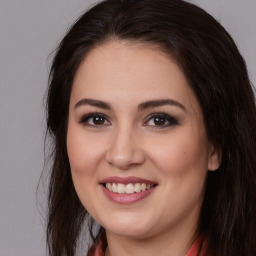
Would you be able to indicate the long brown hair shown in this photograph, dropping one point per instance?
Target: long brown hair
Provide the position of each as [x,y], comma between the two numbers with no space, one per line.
[218,76]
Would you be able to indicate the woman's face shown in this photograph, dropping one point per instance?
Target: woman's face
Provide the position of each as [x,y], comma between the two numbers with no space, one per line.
[136,142]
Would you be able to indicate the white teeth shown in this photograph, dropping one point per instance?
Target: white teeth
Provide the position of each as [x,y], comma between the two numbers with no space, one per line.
[129,188]
[114,189]
[120,188]
[108,186]
[137,187]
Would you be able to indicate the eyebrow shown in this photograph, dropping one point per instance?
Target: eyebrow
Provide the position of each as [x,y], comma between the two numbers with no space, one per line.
[142,106]
[91,102]
[159,103]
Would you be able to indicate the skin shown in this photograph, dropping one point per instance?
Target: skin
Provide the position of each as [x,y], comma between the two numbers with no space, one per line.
[129,142]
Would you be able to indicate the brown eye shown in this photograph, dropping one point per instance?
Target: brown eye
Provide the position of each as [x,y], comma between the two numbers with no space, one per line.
[95,119]
[98,120]
[161,120]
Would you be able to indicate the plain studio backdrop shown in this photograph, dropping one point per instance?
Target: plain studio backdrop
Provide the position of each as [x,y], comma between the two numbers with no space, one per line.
[29,32]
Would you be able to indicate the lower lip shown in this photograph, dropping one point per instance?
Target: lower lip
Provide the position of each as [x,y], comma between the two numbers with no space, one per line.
[126,198]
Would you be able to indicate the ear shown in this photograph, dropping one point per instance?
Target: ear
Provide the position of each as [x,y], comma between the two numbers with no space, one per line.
[214,158]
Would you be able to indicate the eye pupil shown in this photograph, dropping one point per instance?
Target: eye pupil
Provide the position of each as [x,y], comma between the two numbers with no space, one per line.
[159,120]
[98,120]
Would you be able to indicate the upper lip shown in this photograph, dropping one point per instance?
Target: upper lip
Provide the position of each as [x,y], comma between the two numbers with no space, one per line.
[126,180]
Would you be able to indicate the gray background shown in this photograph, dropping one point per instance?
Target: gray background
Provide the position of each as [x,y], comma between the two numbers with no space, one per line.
[29,32]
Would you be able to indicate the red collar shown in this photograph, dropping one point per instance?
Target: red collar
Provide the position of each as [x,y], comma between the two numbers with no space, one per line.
[193,251]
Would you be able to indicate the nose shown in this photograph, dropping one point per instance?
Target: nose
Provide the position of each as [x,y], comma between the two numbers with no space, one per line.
[125,149]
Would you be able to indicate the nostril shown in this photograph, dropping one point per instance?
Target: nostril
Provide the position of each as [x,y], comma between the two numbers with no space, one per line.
[125,159]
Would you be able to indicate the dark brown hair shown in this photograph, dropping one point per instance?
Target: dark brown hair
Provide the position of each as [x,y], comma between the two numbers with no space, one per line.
[217,74]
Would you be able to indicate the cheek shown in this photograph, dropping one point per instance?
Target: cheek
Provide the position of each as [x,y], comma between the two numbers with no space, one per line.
[181,154]
[84,157]
[84,152]
[182,165]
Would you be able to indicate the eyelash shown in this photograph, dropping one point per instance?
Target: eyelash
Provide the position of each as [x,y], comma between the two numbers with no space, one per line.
[167,119]
[85,119]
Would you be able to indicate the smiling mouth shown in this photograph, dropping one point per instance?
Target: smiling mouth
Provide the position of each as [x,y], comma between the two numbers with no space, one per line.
[130,188]
[127,190]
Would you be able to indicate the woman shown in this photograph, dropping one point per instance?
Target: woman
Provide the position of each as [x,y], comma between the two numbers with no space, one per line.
[153,120]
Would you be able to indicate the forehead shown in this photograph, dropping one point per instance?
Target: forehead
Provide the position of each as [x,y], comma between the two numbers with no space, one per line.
[128,70]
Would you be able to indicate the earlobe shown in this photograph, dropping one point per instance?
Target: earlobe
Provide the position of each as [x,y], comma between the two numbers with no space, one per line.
[214,158]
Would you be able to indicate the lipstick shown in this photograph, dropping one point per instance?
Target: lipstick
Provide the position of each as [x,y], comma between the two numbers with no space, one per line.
[126,190]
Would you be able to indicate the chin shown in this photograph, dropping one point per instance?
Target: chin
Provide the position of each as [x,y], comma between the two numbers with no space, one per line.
[131,232]
[128,227]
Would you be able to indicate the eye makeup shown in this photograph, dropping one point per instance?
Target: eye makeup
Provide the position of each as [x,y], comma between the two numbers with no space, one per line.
[160,120]
[95,119]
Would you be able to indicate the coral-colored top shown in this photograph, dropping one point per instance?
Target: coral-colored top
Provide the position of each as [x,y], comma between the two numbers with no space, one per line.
[193,251]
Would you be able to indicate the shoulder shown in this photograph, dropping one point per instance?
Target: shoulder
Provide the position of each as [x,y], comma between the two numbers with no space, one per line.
[198,248]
